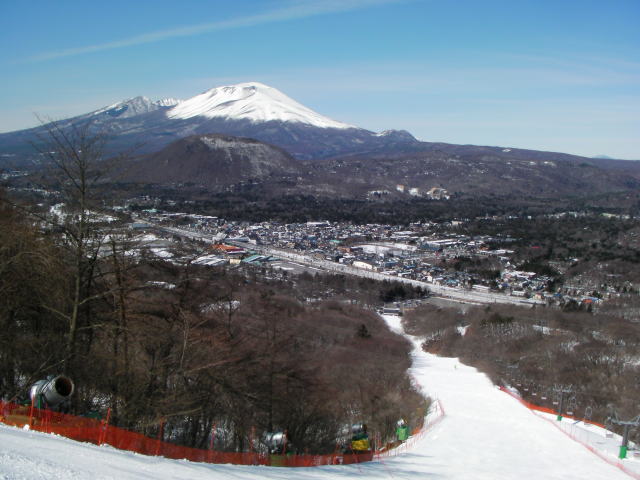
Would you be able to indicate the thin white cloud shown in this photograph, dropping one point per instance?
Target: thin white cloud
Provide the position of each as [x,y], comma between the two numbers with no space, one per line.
[297,9]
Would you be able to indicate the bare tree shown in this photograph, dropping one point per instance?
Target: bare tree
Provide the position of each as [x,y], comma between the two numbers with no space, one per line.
[75,155]
[30,271]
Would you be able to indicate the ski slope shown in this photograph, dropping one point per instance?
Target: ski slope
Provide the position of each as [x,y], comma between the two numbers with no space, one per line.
[485,434]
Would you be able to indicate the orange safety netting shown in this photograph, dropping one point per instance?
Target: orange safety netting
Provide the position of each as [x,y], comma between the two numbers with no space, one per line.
[100,432]
[593,449]
[538,408]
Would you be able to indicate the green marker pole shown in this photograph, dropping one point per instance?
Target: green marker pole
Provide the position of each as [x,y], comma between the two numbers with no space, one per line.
[623,452]
[625,442]
[560,407]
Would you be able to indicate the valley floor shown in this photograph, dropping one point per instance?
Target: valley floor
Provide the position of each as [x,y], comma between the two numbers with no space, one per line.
[485,434]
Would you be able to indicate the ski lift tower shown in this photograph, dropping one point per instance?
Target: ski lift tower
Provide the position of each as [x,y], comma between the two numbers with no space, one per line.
[625,435]
[562,392]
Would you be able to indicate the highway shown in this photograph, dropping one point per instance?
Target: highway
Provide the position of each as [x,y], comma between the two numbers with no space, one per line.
[452,293]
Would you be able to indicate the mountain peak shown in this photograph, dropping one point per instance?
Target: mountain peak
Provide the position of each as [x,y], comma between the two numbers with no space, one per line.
[167,102]
[253,101]
[401,135]
[135,106]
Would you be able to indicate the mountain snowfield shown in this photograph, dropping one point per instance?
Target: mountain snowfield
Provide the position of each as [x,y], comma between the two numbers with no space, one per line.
[134,107]
[252,101]
[485,435]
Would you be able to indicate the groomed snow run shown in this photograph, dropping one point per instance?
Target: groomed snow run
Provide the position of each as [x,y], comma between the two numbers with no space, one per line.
[485,435]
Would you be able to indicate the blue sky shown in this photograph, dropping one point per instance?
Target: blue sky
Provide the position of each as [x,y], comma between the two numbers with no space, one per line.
[559,75]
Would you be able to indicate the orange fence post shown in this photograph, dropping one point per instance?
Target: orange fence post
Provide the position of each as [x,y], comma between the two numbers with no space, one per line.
[31,412]
[160,435]
[104,426]
[46,421]
[212,442]
[284,444]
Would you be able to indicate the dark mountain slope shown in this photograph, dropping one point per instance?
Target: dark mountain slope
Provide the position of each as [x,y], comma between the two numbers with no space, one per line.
[213,161]
[475,171]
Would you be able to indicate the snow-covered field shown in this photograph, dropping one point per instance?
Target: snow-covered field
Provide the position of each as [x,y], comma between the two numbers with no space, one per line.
[485,434]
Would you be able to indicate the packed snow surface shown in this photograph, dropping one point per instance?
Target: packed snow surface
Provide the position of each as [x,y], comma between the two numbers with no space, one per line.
[485,435]
[250,101]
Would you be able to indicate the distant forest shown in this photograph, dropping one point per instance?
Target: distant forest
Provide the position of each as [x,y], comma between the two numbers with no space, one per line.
[254,204]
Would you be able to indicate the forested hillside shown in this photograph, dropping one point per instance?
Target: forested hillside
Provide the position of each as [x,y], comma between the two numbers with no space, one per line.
[189,345]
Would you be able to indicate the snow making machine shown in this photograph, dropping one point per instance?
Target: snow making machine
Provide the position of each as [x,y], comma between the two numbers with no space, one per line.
[360,439]
[279,448]
[277,442]
[53,393]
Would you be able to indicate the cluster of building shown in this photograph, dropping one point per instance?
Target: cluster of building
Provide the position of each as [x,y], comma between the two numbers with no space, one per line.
[435,193]
[427,252]
[422,252]
[416,252]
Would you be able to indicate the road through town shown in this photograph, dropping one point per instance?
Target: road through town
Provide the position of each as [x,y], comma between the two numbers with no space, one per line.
[457,294]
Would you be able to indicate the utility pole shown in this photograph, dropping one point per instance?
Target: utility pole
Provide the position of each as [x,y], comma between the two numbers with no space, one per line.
[625,435]
[562,391]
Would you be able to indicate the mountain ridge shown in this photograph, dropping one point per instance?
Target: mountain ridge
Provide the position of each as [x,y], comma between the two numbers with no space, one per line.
[218,163]
[247,109]
[341,159]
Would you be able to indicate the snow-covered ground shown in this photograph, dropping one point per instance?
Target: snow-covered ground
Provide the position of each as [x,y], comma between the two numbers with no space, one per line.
[485,434]
[604,443]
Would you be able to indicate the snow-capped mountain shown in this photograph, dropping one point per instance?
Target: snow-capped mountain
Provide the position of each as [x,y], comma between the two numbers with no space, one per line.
[251,101]
[340,159]
[252,110]
[133,107]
